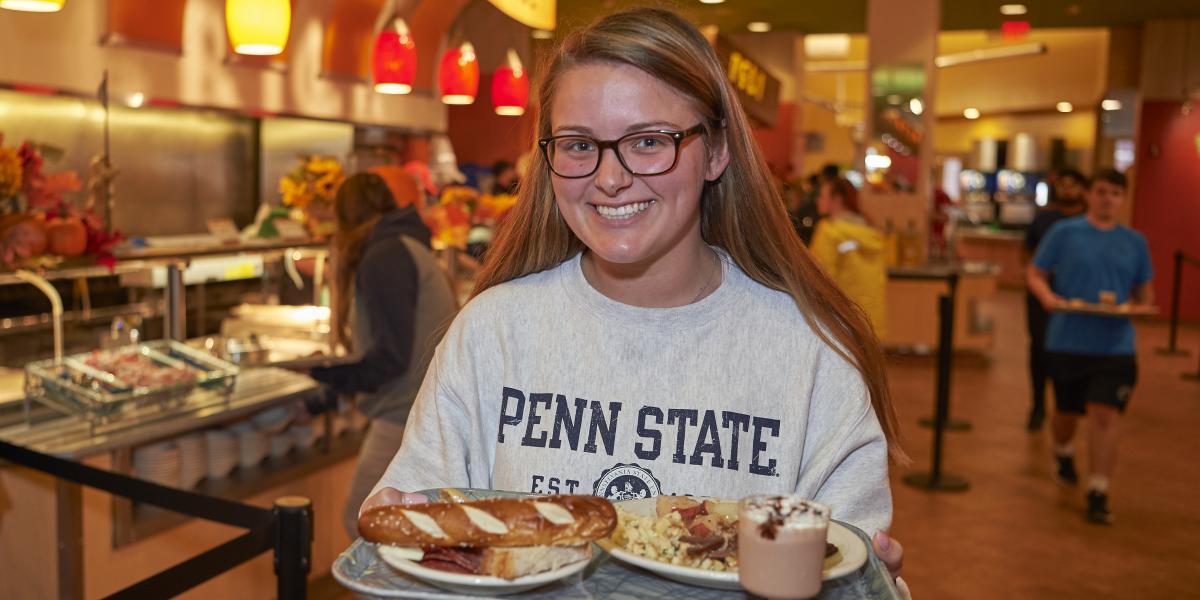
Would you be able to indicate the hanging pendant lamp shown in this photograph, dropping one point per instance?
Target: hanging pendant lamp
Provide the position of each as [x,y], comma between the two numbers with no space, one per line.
[459,75]
[46,6]
[258,27]
[394,59]
[510,87]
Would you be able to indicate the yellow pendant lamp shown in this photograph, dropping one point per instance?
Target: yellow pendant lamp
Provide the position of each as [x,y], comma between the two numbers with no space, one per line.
[258,27]
[33,5]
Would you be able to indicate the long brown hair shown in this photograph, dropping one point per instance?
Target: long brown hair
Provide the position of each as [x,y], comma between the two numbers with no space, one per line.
[360,202]
[742,212]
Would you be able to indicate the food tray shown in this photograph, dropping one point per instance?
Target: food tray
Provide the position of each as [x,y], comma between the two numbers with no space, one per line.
[1122,311]
[360,569]
[87,385]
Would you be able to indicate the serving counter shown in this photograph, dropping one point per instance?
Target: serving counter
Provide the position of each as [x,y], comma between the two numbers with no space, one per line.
[912,305]
[1004,248]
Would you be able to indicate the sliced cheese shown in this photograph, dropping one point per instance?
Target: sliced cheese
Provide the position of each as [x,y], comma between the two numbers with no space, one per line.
[424,522]
[554,513]
[484,520]
[403,553]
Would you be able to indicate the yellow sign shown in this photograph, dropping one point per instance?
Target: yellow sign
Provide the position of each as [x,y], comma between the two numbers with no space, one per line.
[538,14]
[746,76]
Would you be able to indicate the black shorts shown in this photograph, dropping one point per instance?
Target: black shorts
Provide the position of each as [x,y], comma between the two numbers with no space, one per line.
[1082,379]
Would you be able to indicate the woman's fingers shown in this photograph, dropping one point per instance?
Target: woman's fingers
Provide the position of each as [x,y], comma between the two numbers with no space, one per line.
[889,551]
[391,496]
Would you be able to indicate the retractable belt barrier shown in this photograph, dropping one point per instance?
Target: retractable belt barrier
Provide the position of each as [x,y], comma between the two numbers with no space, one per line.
[286,529]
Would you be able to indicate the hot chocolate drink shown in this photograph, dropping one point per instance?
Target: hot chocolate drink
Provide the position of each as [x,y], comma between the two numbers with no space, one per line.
[781,546]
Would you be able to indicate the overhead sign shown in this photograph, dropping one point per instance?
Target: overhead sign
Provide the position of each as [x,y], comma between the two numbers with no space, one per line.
[757,89]
[538,14]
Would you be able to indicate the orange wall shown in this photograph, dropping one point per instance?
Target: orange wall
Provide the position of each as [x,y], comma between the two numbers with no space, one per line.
[481,136]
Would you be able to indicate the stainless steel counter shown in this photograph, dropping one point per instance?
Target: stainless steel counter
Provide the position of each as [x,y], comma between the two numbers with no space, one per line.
[73,437]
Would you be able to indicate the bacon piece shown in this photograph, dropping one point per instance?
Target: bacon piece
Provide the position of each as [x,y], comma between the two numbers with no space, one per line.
[702,545]
[691,512]
[454,560]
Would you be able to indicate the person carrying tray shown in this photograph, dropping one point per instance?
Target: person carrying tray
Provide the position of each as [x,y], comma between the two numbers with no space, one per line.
[648,321]
[1094,367]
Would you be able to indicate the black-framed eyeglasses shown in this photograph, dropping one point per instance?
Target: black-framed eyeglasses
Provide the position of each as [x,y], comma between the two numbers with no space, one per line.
[641,153]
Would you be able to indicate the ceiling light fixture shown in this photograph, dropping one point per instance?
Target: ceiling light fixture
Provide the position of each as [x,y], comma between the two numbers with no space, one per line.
[1110,104]
[394,59]
[33,5]
[1012,10]
[711,1]
[916,106]
[971,113]
[758,26]
[1064,107]
[258,27]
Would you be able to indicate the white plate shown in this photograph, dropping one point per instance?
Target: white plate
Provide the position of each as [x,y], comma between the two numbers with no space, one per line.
[474,584]
[852,554]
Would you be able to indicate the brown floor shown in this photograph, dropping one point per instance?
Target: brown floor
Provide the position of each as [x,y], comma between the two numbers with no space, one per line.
[1015,533]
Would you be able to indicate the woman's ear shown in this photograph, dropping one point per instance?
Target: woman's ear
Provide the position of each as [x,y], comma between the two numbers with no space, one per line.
[718,156]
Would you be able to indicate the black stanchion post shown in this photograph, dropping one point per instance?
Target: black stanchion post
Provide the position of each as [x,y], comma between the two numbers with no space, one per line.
[1193,376]
[948,423]
[293,546]
[1176,286]
[935,480]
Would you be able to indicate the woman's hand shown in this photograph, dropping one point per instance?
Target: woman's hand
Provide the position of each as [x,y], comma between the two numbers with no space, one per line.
[389,496]
[889,551]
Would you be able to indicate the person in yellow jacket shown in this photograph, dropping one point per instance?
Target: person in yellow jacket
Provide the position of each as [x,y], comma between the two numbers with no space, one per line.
[851,251]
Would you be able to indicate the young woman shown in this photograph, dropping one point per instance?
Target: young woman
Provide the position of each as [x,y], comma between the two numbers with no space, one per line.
[851,251]
[648,322]
[391,300]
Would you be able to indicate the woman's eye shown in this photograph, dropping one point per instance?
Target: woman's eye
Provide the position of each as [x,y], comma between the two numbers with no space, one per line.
[579,146]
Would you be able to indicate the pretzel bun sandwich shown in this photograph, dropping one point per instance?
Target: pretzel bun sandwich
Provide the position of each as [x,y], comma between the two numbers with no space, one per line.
[501,537]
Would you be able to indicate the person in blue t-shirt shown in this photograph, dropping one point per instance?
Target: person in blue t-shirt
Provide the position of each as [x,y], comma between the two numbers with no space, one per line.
[1095,259]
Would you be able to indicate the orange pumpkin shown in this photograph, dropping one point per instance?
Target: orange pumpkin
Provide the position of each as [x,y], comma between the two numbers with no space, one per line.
[66,236]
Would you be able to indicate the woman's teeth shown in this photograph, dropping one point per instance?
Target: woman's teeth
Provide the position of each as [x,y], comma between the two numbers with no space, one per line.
[622,212]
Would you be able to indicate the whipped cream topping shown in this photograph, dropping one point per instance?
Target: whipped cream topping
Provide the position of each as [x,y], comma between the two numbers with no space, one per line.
[789,512]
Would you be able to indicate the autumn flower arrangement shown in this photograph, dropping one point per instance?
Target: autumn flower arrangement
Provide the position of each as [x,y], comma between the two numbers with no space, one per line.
[39,224]
[309,190]
[462,208]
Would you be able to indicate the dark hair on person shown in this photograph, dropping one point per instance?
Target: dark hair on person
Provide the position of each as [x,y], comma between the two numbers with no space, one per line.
[501,166]
[830,171]
[1070,173]
[361,200]
[842,188]
[1112,176]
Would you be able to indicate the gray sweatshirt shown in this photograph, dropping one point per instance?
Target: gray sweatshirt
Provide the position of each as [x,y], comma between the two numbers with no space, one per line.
[545,385]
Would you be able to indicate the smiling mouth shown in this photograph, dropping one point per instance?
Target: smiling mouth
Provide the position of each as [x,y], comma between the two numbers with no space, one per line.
[624,211]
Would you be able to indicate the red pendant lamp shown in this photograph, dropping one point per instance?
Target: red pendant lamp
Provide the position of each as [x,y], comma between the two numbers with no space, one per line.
[459,75]
[394,59]
[510,87]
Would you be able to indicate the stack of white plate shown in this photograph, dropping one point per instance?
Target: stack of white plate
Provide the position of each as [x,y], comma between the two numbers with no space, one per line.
[281,444]
[253,445]
[222,452]
[304,436]
[193,460]
[158,463]
[273,420]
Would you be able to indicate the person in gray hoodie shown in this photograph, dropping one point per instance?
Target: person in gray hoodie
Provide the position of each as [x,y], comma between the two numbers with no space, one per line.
[391,302]
[648,322]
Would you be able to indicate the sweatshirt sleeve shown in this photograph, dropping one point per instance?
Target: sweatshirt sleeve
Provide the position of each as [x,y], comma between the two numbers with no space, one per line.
[386,281]
[845,463]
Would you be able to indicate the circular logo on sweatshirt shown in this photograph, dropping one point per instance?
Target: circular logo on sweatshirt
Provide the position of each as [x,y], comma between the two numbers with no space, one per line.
[626,482]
